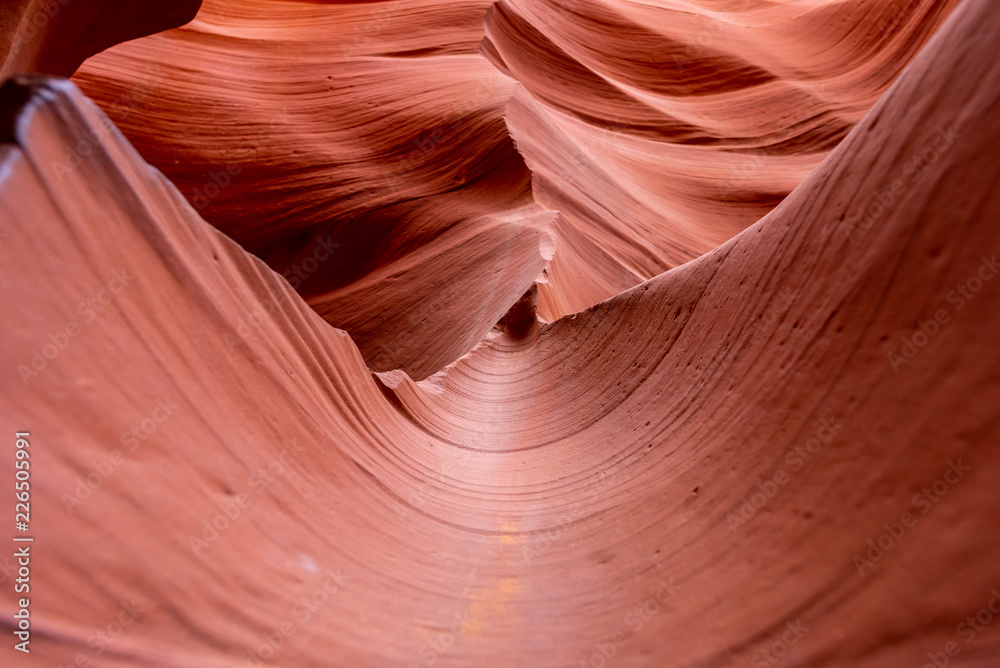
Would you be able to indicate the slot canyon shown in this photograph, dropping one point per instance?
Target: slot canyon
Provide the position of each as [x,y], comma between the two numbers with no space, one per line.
[477,333]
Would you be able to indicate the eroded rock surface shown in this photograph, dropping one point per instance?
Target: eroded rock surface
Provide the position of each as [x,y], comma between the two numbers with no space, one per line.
[698,471]
[659,130]
[358,148]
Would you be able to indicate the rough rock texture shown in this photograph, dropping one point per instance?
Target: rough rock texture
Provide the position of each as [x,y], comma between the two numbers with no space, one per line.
[591,485]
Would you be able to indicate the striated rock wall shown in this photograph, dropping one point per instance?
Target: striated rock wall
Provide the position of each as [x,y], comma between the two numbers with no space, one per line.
[778,453]
[659,130]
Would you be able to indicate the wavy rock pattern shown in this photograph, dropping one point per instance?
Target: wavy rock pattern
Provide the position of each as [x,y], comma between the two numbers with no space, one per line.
[659,130]
[568,491]
[359,149]
[656,146]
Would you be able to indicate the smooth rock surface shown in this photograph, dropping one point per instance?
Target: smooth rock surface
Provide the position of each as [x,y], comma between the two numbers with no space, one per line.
[358,148]
[659,130]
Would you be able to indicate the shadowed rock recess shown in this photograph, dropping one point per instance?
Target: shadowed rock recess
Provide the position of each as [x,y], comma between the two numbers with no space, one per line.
[538,333]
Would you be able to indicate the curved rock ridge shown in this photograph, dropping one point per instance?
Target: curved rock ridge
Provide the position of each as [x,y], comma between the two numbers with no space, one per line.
[651,160]
[660,129]
[360,149]
[56,36]
[583,492]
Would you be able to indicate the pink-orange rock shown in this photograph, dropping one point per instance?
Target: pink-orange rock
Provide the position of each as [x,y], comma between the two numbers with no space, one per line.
[659,130]
[566,492]
[360,149]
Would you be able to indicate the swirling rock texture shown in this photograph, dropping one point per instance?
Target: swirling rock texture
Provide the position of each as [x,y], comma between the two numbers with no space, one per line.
[657,132]
[776,453]
[360,149]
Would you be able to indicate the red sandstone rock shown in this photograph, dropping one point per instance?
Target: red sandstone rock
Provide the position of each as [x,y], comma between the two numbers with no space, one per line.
[569,490]
[657,133]
[375,127]
[659,130]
